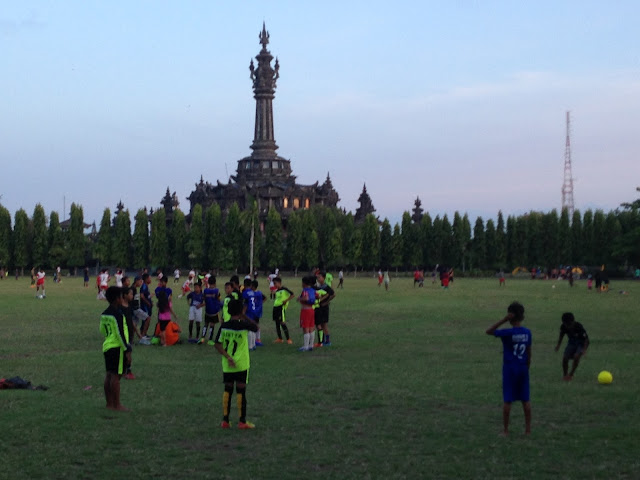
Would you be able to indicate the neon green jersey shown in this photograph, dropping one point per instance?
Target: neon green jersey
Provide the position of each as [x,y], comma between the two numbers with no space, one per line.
[225,305]
[319,294]
[282,294]
[328,278]
[233,335]
[113,328]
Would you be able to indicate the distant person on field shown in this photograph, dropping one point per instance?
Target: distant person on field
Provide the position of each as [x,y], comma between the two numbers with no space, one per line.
[501,276]
[86,277]
[253,308]
[232,343]
[40,282]
[126,308]
[196,304]
[340,279]
[282,297]
[307,317]
[322,308]
[165,313]
[380,277]
[386,279]
[576,347]
[116,347]
[146,305]
[212,310]
[516,342]
[176,276]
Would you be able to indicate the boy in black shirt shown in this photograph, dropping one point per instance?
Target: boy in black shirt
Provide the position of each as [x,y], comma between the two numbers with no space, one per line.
[577,345]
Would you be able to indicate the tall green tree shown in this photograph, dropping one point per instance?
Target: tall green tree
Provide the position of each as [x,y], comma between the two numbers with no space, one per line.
[5,237]
[195,249]
[76,241]
[478,245]
[613,233]
[436,255]
[600,237]
[447,240]
[40,249]
[273,239]
[141,239]
[158,239]
[21,239]
[491,245]
[577,247]
[311,242]
[295,241]
[426,239]
[535,256]
[233,238]
[213,244]
[587,239]
[411,250]
[371,242]
[565,239]
[510,243]
[521,253]
[57,253]
[335,245]
[550,238]
[386,245]
[180,239]
[501,242]
[459,241]
[347,225]
[121,253]
[104,244]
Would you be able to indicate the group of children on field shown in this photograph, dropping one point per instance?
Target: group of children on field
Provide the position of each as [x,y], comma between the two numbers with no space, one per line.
[239,333]
[516,343]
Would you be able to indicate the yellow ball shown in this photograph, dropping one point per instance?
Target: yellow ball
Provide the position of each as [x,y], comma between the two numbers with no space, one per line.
[605,378]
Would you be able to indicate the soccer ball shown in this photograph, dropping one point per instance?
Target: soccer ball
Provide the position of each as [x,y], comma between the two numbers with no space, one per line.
[40,296]
[553,286]
[605,378]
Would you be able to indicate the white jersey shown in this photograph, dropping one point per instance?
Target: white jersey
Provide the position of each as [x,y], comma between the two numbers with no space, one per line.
[340,275]
[271,277]
[176,273]
[104,279]
[41,275]
[119,279]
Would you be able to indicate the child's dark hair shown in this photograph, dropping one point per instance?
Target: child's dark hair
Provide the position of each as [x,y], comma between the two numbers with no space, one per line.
[113,293]
[321,273]
[228,284]
[234,280]
[517,310]
[212,280]
[247,282]
[163,302]
[125,291]
[308,280]
[568,317]
[234,307]
[198,284]
[277,280]
[145,276]
[254,284]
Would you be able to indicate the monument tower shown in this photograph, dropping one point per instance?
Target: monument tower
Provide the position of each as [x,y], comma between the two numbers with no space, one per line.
[264,176]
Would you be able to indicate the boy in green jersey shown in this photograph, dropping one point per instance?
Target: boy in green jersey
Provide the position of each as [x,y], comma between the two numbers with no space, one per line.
[282,297]
[231,294]
[232,343]
[116,347]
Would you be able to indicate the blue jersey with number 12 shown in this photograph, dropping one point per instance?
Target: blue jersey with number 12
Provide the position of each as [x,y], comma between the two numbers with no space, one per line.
[515,342]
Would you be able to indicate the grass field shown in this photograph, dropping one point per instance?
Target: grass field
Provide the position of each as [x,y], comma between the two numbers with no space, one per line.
[411,388]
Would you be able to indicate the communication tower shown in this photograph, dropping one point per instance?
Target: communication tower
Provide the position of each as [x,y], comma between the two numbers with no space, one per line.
[567,186]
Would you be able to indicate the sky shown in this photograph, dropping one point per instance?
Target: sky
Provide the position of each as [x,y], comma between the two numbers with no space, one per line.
[462,103]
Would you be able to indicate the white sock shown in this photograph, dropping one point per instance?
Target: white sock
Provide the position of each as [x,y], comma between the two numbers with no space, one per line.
[307,341]
[252,339]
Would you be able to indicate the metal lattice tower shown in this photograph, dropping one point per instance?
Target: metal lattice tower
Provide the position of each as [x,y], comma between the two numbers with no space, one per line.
[567,186]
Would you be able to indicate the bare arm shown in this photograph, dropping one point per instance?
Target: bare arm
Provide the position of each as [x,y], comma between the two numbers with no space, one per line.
[492,329]
[559,340]
[224,353]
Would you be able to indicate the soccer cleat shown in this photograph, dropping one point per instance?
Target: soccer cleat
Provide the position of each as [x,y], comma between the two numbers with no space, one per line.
[278,340]
[193,340]
[225,424]
[302,349]
[317,345]
[289,341]
[201,341]
[211,343]
[245,425]
[259,343]
[130,376]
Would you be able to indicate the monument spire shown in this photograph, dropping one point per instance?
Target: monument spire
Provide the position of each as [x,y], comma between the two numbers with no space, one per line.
[264,88]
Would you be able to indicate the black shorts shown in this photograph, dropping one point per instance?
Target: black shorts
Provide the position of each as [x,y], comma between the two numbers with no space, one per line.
[238,377]
[212,317]
[114,361]
[573,349]
[163,324]
[278,314]
[321,316]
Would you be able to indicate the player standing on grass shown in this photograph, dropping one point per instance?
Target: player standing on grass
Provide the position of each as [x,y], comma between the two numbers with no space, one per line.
[307,317]
[196,302]
[116,347]
[212,310]
[282,297]
[232,344]
[322,310]
[576,347]
[146,305]
[516,342]
[40,283]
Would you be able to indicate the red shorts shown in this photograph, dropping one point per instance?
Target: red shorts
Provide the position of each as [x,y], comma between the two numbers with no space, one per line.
[40,281]
[307,318]
[272,289]
[185,290]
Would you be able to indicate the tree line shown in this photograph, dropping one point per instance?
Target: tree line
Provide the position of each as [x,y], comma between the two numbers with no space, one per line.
[323,236]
